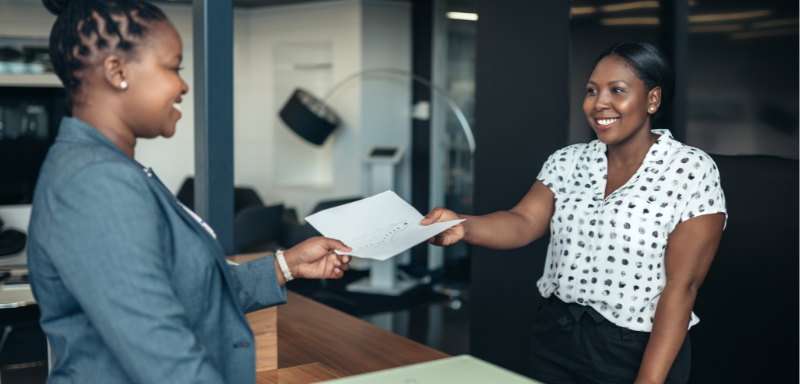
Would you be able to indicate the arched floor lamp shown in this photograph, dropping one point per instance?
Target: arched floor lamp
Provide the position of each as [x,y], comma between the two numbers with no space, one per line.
[314,120]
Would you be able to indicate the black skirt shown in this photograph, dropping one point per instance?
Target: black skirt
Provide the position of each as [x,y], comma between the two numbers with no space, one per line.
[572,343]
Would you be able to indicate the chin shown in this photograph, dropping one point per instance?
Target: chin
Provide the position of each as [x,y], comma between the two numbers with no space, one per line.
[169,132]
[605,137]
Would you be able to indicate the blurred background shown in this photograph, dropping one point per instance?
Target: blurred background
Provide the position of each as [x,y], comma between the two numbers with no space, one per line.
[737,63]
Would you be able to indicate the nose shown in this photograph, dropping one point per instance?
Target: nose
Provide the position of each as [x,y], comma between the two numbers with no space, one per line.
[603,101]
[184,88]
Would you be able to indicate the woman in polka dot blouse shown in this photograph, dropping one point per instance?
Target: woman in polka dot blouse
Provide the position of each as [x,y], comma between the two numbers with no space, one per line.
[634,218]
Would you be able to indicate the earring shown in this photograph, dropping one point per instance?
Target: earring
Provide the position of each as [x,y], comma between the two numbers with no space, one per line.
[123,84]
[652,108]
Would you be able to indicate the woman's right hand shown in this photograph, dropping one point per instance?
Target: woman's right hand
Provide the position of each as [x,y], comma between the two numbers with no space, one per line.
[453,234]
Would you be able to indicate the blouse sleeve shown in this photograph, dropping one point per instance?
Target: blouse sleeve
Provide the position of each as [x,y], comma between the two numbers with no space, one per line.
[707,196]
[549,174]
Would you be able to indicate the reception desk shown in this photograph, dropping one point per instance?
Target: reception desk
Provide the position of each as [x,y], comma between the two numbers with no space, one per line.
[317,343]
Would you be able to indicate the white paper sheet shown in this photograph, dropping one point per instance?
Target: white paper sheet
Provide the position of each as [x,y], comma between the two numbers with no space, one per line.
[377,227]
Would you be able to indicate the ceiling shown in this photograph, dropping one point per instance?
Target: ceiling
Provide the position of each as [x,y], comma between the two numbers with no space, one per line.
[252,3]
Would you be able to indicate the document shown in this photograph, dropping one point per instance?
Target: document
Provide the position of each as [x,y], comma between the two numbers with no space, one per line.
[377,227]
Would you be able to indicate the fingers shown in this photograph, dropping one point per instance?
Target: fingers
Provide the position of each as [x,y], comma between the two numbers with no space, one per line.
[333,244]
[444,239]
[340,265]
[433,216]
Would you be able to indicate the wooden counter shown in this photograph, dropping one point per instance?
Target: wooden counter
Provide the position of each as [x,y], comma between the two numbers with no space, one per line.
[317,342]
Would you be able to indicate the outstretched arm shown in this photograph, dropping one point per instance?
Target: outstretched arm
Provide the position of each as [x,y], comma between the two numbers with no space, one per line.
[526,222]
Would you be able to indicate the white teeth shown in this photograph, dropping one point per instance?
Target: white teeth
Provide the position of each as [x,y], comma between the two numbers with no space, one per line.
[176,106]
[606,121]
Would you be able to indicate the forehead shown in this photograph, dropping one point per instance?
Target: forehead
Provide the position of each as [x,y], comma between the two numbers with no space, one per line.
[164,38]
[613,68]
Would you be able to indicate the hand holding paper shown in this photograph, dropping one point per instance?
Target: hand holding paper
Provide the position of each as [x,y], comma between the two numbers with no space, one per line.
[377,227]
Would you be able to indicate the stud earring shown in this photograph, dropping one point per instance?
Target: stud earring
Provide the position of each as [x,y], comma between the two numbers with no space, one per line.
[652,108]
[123,84]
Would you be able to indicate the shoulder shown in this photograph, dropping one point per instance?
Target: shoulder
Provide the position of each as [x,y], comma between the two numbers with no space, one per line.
[572,152]
[81,166]
[687,161]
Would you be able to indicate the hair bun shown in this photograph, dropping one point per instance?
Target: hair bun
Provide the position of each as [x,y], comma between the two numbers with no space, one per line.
[56,7]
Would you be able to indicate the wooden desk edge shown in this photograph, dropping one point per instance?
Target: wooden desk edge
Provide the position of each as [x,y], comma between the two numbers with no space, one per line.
[301,352]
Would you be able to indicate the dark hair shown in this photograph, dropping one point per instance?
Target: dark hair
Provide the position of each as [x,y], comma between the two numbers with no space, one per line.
[649,64]
[78,19]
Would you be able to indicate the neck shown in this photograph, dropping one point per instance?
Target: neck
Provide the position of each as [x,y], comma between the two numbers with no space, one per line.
[633,150]
[109,125]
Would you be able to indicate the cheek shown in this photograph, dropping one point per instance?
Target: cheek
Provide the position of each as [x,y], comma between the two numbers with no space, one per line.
[629,107]
[588,105]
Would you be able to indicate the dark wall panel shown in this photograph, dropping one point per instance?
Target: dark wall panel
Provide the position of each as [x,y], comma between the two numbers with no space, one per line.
[522,111]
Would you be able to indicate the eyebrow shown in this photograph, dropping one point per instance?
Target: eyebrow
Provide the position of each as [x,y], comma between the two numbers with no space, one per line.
[610,82]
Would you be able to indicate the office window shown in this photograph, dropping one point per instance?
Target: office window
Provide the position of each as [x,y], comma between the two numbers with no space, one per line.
[455,71]
[743,72]
[743,77]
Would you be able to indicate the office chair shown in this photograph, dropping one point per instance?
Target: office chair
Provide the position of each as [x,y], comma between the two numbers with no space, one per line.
[242,197]
[256,228]
[747,304]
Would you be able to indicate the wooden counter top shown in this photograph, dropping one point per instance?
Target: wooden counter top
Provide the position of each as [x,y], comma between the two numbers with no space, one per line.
[317,342]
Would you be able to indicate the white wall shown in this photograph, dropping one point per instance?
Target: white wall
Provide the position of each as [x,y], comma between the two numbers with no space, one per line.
[362,34]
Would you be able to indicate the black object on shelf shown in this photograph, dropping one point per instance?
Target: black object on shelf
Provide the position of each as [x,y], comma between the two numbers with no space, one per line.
[29,121]
[11,242]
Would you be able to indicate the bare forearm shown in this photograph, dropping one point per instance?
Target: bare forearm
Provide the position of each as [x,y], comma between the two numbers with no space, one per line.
[501,230]
[669,331]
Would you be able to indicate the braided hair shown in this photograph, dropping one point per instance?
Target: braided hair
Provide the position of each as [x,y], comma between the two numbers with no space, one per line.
[76,24]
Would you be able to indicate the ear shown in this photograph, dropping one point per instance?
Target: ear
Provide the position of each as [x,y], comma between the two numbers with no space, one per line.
[653,100]
[115,72]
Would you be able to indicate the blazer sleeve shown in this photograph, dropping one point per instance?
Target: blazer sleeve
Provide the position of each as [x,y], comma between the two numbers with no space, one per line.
[106,242]
[258,284]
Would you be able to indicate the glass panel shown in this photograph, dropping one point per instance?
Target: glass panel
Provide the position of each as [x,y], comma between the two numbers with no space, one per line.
[457,160]
[743,76]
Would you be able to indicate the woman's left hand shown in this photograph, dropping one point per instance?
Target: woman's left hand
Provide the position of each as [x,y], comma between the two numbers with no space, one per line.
[315,259]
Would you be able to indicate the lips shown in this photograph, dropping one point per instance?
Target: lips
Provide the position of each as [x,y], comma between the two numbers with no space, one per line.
[605,122]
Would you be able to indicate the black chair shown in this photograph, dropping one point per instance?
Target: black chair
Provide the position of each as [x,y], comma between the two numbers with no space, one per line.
[293,233]
[748,303]
[186,193]
[326,204]
[242,197]
[245,198]
[256,229]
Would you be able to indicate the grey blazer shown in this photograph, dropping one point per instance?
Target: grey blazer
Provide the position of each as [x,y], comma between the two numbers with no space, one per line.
[131,288]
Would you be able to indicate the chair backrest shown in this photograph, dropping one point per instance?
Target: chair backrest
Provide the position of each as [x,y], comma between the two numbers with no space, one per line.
[242,197]
[323,205]
[748,303]
[254,224]
[245,198]
[186,193]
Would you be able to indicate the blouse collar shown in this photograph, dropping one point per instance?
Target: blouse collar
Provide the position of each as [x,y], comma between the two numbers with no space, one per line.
[657,152]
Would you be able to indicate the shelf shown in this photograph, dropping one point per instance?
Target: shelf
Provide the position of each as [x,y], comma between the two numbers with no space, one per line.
[29,80]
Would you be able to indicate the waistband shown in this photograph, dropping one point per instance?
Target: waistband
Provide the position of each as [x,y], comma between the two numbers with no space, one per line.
[569,313]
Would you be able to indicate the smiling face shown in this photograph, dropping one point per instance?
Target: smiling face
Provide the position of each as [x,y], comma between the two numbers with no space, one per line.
[617,105]
[155,86]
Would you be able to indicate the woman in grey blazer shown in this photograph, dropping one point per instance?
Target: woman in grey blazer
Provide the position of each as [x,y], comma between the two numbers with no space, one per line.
[132,286]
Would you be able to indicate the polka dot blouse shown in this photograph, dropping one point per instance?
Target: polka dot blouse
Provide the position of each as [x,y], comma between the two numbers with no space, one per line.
[609,253]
